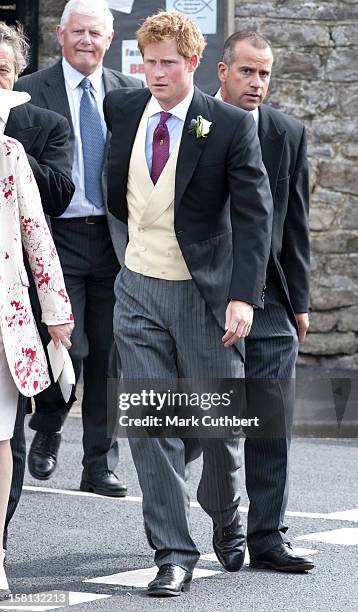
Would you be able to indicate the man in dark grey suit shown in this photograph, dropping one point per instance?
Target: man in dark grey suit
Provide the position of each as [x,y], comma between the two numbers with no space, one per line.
[75,87]
[194,267]
[45,137]
[272,346]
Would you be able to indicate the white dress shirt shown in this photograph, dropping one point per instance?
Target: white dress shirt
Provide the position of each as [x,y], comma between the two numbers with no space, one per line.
[254,113]
[80,206]
[175,123]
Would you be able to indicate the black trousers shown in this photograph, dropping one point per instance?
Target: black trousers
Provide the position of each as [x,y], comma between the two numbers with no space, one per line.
[90,267]
[271,352]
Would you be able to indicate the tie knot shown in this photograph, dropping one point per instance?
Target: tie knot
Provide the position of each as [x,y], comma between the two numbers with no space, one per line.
[164,117]
[85,84]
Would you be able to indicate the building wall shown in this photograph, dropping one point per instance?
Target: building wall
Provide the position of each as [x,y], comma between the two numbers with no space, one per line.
[49,15]
[315,76]
[315,79]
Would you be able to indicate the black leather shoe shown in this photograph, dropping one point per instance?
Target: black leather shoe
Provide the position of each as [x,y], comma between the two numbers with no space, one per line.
[42,459]
[229,544]
[282,558]
[103,483]
[170,581]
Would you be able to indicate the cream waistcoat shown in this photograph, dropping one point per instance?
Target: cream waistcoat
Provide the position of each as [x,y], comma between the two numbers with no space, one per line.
[153,249]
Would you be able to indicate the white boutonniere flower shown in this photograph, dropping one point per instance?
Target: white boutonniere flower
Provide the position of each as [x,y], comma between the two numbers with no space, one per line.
[200,127]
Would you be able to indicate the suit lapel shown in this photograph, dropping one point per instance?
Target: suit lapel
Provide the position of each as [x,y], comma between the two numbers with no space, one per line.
[110,80]
[130,113]
[54,92]
[19,126]
[191,147]
[272,142]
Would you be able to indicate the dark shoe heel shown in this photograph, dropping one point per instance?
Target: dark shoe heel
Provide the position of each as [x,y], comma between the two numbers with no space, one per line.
[86,487]
[259,565]
[186,586]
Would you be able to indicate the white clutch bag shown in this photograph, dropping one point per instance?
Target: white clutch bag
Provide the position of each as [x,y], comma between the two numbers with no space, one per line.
[62,368]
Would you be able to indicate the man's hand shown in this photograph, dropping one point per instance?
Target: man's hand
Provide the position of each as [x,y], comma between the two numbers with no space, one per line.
[302,324]
[61,333]
[238,322]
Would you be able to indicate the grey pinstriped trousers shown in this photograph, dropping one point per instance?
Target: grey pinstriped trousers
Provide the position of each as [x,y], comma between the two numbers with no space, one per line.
[164,329]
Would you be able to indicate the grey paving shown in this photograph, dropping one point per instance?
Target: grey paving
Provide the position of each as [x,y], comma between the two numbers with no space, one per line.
[58,541]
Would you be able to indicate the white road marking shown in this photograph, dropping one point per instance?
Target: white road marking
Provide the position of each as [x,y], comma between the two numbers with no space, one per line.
[342,515]
[345,515]
[304,551]
[140,577]
[213,557]
[75,598]
[80,494]
[346,536]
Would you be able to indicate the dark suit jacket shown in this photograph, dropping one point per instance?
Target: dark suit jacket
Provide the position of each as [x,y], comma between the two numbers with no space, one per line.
[283,146]
[45,137]
[47,89]
[225,243]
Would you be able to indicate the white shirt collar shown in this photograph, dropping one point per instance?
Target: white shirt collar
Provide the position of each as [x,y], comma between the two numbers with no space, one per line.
[73,77]
[254,113]
[180,110]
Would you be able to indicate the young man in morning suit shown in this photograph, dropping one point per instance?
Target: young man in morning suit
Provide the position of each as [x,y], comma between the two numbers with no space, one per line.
[195,265]
[85,240]
[272,346]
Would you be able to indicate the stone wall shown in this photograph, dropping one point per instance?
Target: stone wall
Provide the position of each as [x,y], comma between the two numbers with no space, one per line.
[315,79]
[50,12]
[315,76]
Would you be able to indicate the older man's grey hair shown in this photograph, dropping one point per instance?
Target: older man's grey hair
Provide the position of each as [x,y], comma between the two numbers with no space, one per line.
[89,8]
[14,37]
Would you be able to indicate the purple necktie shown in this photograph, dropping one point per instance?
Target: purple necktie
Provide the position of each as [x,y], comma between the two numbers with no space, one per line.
[160,154]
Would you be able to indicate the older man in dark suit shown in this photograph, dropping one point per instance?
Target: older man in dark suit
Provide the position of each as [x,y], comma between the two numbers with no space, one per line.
[195,265]
[272,346]
[45,137]
[75,87]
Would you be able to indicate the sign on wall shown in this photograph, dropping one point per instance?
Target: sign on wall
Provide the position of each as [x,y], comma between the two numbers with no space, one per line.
[203,12]
[123,54]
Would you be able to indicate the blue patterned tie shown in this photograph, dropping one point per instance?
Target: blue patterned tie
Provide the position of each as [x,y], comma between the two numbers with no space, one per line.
[93,144]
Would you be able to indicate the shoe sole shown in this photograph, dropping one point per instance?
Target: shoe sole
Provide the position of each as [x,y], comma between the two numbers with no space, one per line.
[167,593]
[87,488]
[297,569]
[38,476]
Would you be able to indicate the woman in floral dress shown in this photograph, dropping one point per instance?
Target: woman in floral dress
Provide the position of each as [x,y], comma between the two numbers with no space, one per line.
[23,365]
